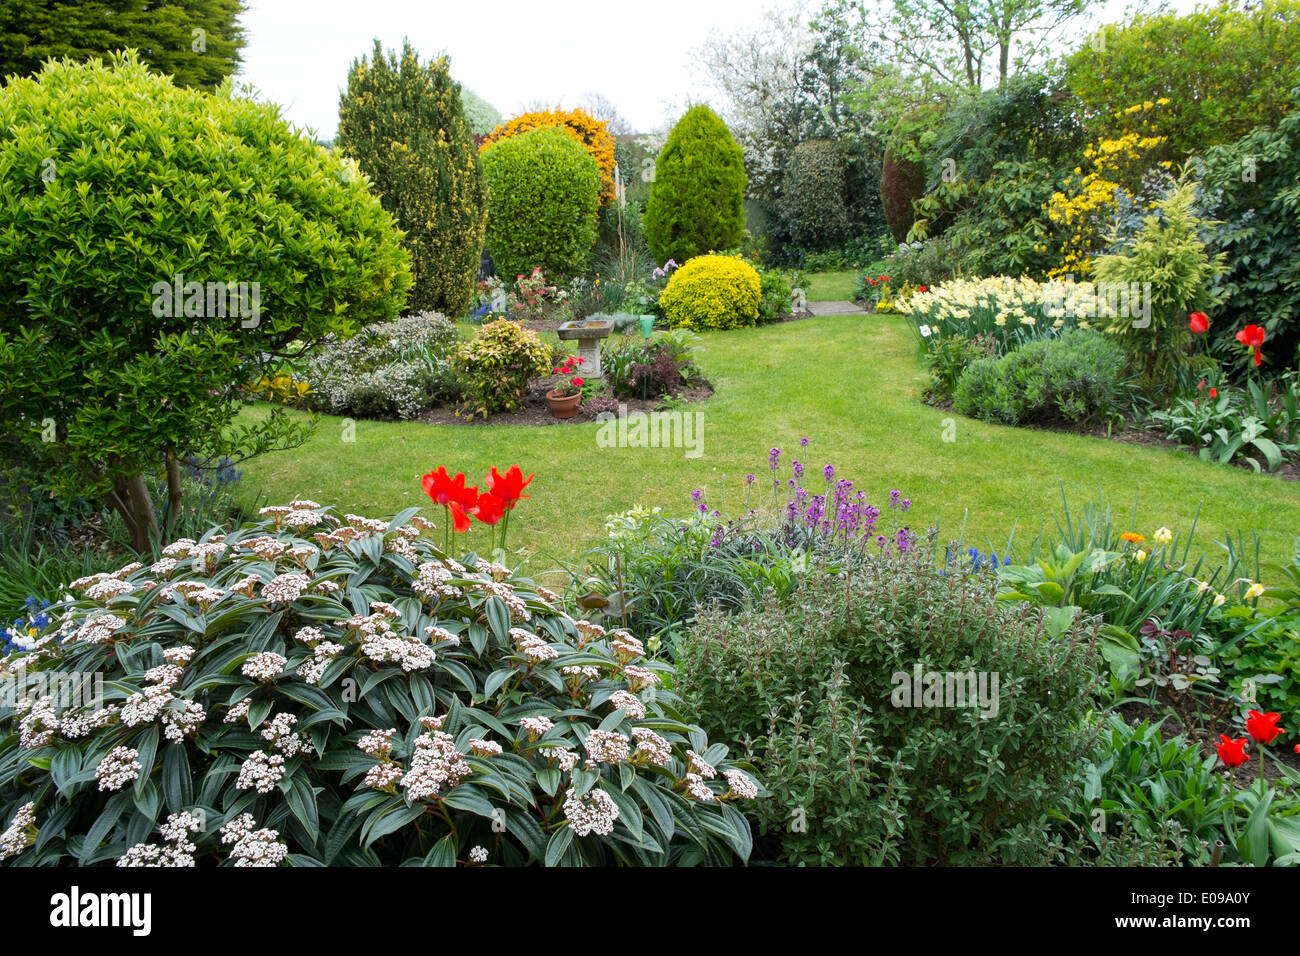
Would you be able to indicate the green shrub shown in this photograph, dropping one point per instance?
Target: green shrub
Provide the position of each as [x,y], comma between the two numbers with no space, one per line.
[812,202]
[696,202]
[776,291]
[1251,184]
[1207,64]
[1074,380]
[815,690]
[184,199]
[363,698]
[543,198]
[404,123]
[947,360]
[712,292]
[497,365]
[389,370]
[1168,257]
[653,369]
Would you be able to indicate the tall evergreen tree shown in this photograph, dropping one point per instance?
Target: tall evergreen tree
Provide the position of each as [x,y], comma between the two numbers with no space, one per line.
[404,123]
[195,41]
[697,198]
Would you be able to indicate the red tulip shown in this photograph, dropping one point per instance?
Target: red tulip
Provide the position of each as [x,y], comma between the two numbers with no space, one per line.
[1263,727]
[1198,322]
[1231,752]
[1214,392]
[510,486]
[920,288]
[490,508]
[1252,336]
[442,488]
[459,519]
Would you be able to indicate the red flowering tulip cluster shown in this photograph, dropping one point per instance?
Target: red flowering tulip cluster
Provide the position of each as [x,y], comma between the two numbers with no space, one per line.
[464,504]
[1262,728]
[882,280]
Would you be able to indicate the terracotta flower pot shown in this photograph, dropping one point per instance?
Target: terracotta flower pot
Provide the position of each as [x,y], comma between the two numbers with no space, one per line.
[564,406]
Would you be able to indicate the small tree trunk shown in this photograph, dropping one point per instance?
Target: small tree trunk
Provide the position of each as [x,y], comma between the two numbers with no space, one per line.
[130,498]
[174,492]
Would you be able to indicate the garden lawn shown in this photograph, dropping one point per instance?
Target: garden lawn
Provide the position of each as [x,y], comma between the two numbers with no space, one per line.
[852,384]
[832,286]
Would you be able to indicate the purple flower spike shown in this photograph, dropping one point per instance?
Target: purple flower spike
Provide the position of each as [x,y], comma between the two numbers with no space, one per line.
[797,467]
[803,443]
[697,496]
[829,473]
[774,458]
[749,479]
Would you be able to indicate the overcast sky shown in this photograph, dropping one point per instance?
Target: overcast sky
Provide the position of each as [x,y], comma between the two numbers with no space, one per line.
[510,52]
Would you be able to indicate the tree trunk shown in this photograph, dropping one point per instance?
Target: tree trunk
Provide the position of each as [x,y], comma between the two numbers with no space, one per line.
[130,498]
[174,492]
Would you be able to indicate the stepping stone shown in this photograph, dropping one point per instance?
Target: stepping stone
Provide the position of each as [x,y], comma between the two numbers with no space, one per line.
[840,307]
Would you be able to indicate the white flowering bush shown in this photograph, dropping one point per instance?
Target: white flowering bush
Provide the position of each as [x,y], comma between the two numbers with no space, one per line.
[323,690]
[392,369]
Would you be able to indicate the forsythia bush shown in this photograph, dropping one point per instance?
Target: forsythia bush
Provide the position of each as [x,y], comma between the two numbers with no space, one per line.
[1088,208]
[317,690]
[498,363]
[712,292]
[543,198]
[592,133]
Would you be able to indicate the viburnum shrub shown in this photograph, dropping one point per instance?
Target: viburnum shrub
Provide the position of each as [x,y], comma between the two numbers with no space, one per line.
[314,689]
[498,363]
[712,292]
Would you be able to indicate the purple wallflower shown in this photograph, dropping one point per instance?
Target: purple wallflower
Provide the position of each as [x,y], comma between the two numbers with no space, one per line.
[774,458]
[895,498]
[749,479]
[907,503]
[828,473]
[803,443]
[904,541]
[697,496]
[797,467]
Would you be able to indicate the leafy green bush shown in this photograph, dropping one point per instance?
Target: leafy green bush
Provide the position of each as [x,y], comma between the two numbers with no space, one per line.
[497,365]
[812,202]
[391,369]
[947,360]
[543,197]
[145,279]
[1260,652]
[696,202]
[1073,380]
[712,292]
[1206,63]
[859,774]
[404,123]
[366,700]
[1238,424]
[651,369]
[1251,185]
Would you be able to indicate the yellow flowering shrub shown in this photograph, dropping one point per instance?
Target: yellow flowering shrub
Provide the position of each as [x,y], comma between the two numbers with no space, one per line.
[281,387]
[712,292]
[592,133]
[1117,167]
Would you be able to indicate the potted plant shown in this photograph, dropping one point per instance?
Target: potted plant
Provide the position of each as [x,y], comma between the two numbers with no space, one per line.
[566,397]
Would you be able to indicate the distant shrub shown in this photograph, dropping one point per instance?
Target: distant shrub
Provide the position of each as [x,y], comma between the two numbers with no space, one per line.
[712,292]
[1074,379]
[592,133]
[813,202]
[697,199]
[390,370]
[497,365]
[543,196]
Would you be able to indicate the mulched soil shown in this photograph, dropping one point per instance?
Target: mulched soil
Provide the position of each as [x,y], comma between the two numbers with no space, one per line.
[537,411]
[1208,736]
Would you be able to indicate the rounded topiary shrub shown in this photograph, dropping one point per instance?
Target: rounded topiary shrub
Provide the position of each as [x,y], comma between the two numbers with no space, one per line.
[543,198]
[697,198]
[712,292]
[322,690]
[498,363]
[898,714]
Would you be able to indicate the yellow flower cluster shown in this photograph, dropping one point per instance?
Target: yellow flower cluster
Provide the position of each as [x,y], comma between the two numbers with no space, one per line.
[1117,167]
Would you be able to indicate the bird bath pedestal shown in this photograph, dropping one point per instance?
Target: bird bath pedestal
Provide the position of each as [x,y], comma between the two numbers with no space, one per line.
[587,333]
